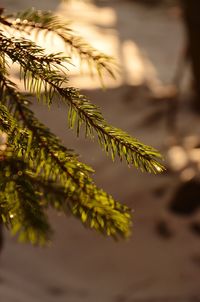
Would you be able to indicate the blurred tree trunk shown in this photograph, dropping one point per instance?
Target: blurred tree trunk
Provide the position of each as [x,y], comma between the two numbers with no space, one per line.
[191,14]
[1,235]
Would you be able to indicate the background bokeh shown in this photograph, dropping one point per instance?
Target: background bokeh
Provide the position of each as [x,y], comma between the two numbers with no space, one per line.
[161,260]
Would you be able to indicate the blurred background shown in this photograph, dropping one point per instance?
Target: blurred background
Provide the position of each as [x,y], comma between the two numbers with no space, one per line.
[155,97]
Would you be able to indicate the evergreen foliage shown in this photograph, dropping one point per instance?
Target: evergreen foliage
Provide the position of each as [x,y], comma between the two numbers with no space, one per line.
[36,170]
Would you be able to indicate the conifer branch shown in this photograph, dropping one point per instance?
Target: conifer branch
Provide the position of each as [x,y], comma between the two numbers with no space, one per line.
[37,21]
[19,206]
[36,170]
[49,161]
[113,140]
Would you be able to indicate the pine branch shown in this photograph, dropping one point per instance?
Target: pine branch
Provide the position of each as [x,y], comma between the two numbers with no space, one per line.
[19,206]
[36,171]
[37,21]
[31,195]
[113,140]
[61,173]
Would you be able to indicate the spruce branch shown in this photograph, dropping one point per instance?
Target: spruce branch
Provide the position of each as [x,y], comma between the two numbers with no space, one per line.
[36,170]
[113,140]
[19,206]
[36,21]
[20,184]
[61,173]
